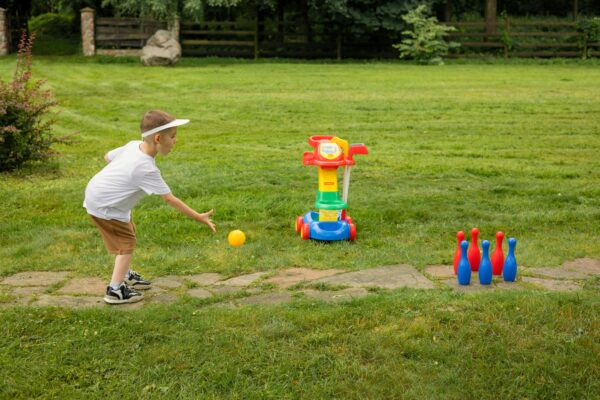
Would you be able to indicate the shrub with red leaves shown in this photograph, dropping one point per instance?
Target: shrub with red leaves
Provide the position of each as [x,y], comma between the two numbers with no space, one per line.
[24,125]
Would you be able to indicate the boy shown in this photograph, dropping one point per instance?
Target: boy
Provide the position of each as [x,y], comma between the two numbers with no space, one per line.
[110,195]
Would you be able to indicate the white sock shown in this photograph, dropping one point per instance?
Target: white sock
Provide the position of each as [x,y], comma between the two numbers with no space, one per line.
[115,286]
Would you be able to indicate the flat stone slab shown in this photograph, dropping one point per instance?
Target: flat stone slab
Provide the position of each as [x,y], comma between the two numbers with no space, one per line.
[15,300]
[585,265]
[242,280]
[199,293]
[293,276]
[28,290]
[474,286]
[46,300]
[205,279]
[553,284]
[509,285]
[336,296]
[225,289]
[169,282]
[388,277]
[440,271]
[36,278]
[269,298]
[161,298]
[90,286]
[153,291]
[557,272]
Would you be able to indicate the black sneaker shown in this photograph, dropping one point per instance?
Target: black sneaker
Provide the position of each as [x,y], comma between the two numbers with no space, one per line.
[135,280]
[124,294]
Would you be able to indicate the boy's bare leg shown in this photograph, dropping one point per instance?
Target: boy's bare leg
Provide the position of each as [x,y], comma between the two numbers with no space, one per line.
[122,262]
[118,292]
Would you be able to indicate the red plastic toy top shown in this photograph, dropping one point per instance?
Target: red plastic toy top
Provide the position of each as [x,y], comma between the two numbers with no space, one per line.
[315,158]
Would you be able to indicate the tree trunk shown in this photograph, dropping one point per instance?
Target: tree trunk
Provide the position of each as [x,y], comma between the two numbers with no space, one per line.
[491,10]
[280,21]
[448,11]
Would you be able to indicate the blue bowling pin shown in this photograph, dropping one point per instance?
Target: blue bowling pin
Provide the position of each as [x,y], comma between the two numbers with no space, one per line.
[464,268]
[510,263]
[485,267]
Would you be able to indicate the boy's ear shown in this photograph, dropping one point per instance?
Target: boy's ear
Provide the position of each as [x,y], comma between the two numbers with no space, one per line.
[156,139]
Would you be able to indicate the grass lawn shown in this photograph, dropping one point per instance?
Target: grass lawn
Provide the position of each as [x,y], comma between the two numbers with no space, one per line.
[500,146]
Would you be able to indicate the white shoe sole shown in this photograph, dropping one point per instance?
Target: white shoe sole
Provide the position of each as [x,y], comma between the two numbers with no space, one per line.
[139,286]
[112,300]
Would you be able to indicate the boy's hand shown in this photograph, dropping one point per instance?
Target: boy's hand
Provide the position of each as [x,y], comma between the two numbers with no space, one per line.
[184,208]
[205,218]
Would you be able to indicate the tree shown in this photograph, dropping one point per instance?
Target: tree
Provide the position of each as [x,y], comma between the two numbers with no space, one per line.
[166,9]
[424,42]
[491,11]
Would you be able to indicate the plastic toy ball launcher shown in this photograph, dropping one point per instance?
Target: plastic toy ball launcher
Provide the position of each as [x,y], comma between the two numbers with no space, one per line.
[330,222]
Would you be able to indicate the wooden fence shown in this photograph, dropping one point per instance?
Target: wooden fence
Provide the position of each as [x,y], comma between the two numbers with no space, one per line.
[274,38]
[124,35]
[523,39]
[233,38]
[271,38]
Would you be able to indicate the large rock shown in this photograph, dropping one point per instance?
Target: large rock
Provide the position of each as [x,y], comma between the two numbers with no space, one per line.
[161,49]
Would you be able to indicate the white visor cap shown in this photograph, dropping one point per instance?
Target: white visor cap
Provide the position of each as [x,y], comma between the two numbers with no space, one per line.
[175,122]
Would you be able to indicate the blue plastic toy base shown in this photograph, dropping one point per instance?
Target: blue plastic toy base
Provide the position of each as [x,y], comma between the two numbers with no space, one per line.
[326,230]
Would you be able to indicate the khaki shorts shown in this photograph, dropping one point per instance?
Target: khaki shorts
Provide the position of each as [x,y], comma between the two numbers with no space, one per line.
[118,236]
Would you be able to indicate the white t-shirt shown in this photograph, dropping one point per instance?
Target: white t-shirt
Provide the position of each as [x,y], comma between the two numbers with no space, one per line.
[130,175]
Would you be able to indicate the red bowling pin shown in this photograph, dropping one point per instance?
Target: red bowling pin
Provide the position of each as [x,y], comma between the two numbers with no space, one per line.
[474,253]
[498,256]
[460,236]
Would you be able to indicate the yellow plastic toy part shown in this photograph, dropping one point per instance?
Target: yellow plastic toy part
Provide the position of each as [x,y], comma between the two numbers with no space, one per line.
[342,143]
[328,215]
[328,181]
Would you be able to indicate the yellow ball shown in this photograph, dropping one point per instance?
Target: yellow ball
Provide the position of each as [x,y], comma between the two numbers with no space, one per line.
[236,238]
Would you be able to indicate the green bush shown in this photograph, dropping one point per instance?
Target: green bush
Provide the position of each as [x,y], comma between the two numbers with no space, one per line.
[55,34]
[24,131]
[52,24]
[425,41]
[590,27]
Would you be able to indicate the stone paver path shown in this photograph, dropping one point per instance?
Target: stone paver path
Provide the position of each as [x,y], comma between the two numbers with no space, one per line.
[554,285]
[440,271]
[68,301]
[221,290]
[64,289]
[40,278]
[268,298]
[336,295]
[587,265]
[200,293]
[89,286]
[557,273]
[292,276]
[205,279]
[168,282]
[243,280]
[389,277]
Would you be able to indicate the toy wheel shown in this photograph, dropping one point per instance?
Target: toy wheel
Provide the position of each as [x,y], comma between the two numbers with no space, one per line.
[305,232]
[349,220]
[352,232]
[299,223]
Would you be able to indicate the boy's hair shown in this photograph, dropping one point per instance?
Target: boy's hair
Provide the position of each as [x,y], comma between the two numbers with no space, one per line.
[153,119]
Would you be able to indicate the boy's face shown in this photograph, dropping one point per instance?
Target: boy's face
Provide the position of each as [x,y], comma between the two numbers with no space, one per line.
[166,141]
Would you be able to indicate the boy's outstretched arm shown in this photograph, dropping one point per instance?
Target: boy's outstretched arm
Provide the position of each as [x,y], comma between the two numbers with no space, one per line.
[187,210]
